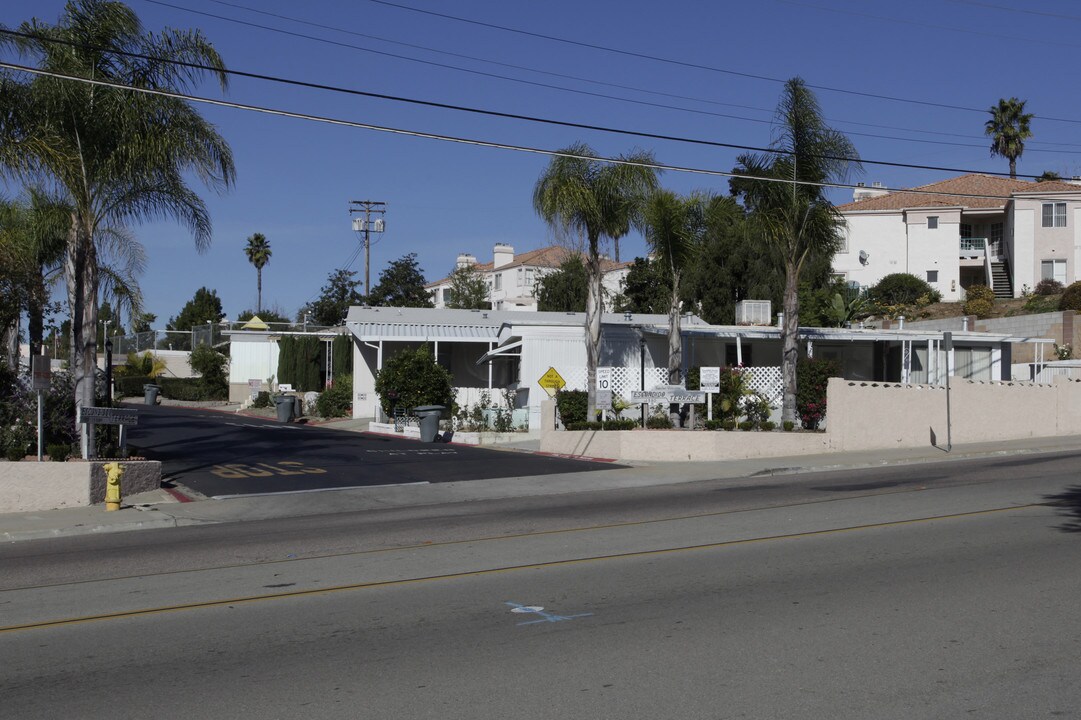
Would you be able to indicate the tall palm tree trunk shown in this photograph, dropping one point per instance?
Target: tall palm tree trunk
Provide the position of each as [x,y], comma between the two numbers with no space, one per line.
[675,341]
[790,340]
[82,276]
[259,289]
[593,327]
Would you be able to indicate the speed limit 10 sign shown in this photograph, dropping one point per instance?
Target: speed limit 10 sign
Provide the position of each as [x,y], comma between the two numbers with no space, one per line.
[604,378]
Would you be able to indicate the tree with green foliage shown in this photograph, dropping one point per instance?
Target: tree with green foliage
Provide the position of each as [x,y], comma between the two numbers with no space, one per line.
[335,299]
[114,155]
[674,228]
[258,253]
[646,288]
[468,289]
[565,289]
[401,284]
[412,378]
[579,192]
[273,316]
[1008,129]
[212,368]
[204,307]
[789,208]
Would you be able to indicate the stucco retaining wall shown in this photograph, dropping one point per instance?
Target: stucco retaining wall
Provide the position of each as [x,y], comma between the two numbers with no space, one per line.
[862,416]
[33,486]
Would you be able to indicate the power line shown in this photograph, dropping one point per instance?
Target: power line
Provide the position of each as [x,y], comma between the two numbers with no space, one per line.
[527,118]
[549,86]
[472,141]
[696,66]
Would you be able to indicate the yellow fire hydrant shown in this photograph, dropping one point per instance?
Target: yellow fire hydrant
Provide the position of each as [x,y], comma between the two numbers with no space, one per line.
[113,472]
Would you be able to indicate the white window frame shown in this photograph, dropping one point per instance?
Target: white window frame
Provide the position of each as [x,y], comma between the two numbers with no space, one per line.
[499,281]
[1053,214]
[1057,268]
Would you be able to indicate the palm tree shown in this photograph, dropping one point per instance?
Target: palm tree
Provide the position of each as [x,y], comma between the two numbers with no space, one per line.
[579,192]
[258,252]
[117,156]
[788,206]
[674,228]
[1008,129]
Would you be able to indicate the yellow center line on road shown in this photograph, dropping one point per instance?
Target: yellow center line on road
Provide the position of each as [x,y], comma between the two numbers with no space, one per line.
[492,571]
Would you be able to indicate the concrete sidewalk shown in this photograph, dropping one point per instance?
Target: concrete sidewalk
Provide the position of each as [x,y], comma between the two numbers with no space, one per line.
[161,509]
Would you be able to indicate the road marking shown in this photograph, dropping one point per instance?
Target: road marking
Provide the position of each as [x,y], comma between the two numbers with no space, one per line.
[497,571]
[240,471]
[546,617]
[315,490]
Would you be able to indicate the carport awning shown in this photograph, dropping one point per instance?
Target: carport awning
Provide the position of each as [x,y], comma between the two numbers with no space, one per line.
[414,332]
[501,351]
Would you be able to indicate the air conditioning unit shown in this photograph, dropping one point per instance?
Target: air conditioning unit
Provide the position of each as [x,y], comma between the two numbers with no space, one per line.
[754,312]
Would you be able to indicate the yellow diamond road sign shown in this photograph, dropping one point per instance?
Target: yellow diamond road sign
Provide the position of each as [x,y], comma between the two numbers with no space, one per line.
[552,381]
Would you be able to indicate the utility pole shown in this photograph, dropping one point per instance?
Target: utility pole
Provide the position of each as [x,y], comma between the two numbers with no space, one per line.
[367,226]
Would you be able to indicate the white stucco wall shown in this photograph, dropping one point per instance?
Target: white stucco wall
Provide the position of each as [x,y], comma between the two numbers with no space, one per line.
[882,237]
[1025,269]
[935,249]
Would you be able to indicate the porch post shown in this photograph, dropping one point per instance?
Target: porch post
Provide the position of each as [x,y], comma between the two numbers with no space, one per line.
[491,346]
[739,350]
[906,362]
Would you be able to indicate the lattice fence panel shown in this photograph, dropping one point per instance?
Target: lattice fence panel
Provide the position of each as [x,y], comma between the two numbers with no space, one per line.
[768,381]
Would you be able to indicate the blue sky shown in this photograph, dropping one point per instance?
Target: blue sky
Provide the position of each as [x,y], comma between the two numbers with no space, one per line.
[296,177]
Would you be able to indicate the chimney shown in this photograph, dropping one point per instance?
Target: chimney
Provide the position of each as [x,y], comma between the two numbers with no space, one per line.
[465,260]
[502,254]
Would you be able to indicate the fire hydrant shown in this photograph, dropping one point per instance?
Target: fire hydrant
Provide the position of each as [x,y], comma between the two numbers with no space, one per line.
[113,472]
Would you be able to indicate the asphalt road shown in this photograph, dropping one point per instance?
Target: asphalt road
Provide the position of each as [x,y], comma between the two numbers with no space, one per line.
[929,591]
[220,455]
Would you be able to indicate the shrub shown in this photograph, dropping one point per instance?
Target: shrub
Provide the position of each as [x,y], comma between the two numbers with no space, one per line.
[620,424]
[182,388]
[58,452]
[336,400]
[131,385]
[746,425]
[572,406]
[210,364]
[756,407]
[979,301]
[728,424]
[1041,304]
[659,422]
[903,289]
[788,425]
[1048,286]
[812,378]
[1071,297]
[583,425]
[767,425]
[713,424]
[413,378]
[262,400]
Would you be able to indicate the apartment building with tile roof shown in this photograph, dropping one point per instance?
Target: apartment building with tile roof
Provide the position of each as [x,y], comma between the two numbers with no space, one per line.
[963,231]
[512,278]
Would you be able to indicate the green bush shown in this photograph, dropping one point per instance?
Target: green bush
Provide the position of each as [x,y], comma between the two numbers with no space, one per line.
[211,366]
[728,424]
[903,289]
[659,422]
[58,452]
[620,424]
[336,400]
[1071,297]
[788,425]
[1041,304]
[412,378]
[746,425]
[130,385]
[767,425]
[583,425]
[572,406]
[812,378]
[182,388]
[979,301]
[756,408]
[262,400]
[1048,286]
[715,424]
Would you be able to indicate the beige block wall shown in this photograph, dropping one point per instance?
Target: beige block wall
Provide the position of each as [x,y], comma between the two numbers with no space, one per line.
[677,445]
[34,486]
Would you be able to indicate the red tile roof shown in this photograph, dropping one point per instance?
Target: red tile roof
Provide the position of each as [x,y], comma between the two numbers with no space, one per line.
[993,192]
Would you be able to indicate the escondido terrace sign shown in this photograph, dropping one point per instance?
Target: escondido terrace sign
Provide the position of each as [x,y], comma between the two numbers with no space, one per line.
[668,394]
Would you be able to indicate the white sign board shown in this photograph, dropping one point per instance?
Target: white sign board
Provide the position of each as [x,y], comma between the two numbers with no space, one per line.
[285,387]
[710,379]
[604,399]
[604,378]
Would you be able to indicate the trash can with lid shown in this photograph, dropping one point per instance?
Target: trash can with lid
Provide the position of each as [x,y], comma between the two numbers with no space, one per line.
[284,404]
[150,394]
[429,421]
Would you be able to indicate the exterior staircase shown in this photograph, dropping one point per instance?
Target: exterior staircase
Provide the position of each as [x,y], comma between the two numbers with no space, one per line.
[1000,280]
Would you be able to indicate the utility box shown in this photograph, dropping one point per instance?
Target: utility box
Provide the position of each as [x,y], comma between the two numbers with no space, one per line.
[754,312]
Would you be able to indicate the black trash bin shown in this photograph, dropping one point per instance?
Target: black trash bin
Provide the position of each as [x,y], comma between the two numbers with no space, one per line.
[284,404]
[298,407]
[150,394]
[429,421]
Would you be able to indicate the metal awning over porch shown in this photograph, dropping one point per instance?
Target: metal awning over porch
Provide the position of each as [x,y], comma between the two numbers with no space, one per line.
[502,351]
[418,332]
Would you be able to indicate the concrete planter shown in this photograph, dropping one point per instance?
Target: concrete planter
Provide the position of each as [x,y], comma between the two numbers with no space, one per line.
[34,486]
